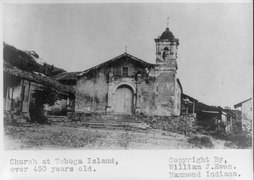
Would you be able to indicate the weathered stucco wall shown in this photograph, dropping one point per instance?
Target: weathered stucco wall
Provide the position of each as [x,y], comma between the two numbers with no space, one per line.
[247,116]
[95,91]
[91,92]
[155,92]
[247,109]
[159,95]
[178,93]
[146,96]
[117,68]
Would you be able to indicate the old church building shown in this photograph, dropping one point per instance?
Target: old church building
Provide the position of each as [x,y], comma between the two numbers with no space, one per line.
[129,85]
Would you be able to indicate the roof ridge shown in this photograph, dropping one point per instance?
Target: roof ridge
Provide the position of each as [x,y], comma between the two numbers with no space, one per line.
[238,104]
[113,59]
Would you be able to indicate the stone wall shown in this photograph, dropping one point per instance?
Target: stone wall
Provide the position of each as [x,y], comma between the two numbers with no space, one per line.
[182,124]
[185,124]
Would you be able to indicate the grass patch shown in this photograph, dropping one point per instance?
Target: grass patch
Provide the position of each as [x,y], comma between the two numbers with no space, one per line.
[200,142]
[50,137]
[124,140]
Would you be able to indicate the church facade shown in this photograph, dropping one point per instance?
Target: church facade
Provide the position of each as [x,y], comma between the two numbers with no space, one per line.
[129,85]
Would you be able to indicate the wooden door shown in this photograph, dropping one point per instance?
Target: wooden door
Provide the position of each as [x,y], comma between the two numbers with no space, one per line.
[123,100]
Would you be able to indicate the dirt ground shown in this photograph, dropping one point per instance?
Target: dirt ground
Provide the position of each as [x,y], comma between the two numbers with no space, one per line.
[64,136]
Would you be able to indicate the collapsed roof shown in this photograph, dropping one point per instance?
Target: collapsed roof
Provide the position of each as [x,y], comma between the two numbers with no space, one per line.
[22,64]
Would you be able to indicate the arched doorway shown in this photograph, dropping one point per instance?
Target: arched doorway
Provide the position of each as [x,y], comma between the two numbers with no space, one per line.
[124,100]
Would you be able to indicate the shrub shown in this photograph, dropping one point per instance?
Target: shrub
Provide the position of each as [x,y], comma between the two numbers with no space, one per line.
[242,140]
[206,141]
[181,124]
[200,142]
[42,96]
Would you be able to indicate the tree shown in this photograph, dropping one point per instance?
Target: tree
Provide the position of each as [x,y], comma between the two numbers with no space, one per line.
[42,96]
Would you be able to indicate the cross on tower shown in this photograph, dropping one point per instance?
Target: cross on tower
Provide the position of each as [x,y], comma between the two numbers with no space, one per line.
[167,21]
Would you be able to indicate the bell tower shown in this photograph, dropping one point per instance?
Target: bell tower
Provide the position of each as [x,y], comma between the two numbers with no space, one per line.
[166,49]
[167,88]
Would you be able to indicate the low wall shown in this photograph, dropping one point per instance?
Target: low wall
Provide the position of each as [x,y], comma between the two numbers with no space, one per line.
[182,124]
[81,116]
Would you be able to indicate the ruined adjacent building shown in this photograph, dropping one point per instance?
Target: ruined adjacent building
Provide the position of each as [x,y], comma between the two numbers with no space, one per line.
[23,76]
[246,114]
[129,85]
[210,118]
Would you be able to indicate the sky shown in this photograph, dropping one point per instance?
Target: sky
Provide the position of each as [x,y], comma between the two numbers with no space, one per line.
[215,56]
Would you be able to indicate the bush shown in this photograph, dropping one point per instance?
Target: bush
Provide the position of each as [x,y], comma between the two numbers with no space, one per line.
[220,135]
[181,124]
[242,140]
[200,142]
[42,96]
[37,114]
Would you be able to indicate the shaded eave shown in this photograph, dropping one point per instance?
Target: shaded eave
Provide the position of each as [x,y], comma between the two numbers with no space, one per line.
[115,59]
[240,103]
[204,108]
[43,80]
[210,112]
[191,98]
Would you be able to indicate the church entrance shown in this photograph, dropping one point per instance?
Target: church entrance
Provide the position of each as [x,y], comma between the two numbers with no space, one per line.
[124,100]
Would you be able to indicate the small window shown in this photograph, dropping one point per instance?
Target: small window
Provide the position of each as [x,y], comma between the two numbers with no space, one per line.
[125,71]
[166,49]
